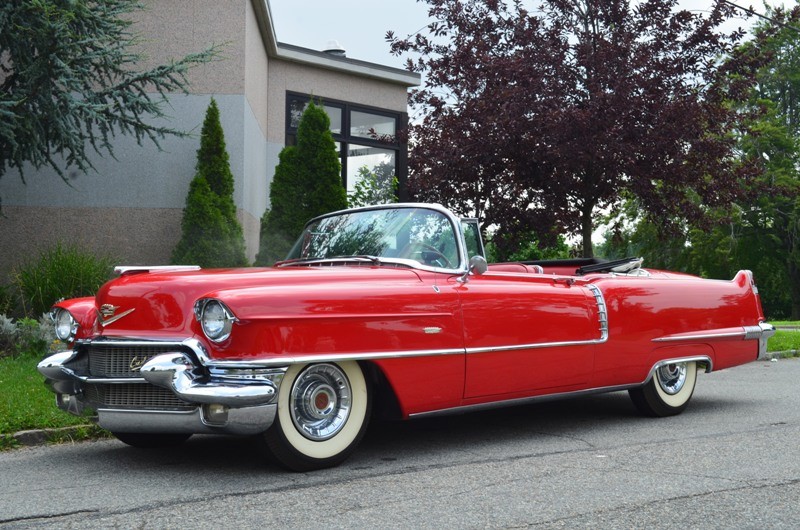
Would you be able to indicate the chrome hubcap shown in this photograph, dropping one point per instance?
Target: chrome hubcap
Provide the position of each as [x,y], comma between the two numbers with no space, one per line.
[671,377]
[321,400]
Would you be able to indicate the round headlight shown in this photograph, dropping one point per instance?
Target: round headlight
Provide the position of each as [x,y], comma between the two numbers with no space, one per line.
[65,325]
[216,320]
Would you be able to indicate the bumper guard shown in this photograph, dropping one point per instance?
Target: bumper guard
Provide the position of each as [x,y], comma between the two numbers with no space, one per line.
[228,399]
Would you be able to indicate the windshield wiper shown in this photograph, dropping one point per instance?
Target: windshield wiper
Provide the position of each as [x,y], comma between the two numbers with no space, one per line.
[305,261]
[362,257]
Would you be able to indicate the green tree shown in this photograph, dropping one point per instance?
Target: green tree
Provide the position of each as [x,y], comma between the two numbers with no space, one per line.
[211,236]
[307,183]
[731,244]
[762,231]
[540,114]
[376,186]
[68,82]
[771,220]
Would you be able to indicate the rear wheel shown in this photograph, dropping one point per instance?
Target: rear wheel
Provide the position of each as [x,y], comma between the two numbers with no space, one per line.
[668,391]
[323,412]
[151,440]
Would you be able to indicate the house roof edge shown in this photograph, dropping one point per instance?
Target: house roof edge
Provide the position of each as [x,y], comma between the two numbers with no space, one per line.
[298,54]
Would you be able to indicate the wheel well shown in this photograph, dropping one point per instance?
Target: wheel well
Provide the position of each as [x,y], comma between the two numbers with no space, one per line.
[385,404]
[702,354]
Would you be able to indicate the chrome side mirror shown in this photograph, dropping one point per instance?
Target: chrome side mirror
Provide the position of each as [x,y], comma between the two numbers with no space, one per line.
[477,265]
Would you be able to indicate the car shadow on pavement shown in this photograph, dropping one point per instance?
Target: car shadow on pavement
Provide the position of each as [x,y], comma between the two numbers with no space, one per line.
[544,427]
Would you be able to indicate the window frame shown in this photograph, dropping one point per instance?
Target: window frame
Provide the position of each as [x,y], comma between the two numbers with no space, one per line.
[344,139]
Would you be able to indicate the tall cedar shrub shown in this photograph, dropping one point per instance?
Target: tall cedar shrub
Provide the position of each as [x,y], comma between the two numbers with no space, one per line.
[307,183]
[211,236]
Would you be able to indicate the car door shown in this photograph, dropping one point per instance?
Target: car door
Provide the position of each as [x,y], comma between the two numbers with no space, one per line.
[528,333]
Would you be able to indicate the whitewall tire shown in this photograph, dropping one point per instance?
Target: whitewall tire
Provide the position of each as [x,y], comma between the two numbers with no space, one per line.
[323,412]
[668,391]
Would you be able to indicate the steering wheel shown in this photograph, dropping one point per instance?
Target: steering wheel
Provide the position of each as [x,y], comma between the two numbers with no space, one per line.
[438,259]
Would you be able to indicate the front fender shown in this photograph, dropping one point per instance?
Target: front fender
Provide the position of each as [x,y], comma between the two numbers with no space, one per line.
[84,311]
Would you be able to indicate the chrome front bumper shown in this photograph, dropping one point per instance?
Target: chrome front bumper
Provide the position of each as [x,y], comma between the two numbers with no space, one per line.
[192,393]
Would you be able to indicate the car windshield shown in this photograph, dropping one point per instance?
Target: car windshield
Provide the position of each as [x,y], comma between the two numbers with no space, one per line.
[418,234]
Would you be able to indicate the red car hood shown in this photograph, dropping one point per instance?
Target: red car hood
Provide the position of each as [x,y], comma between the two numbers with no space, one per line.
[160,304]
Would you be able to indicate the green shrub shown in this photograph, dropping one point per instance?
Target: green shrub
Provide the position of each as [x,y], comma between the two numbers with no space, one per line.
[64,271]
[27,336]
[34,337]
[8,336]
[6,300]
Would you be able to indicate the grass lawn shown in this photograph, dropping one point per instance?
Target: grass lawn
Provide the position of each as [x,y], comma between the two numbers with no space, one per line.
[27,403]
[785,341]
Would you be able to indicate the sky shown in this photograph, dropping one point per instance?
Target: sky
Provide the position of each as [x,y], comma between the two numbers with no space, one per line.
[360,26]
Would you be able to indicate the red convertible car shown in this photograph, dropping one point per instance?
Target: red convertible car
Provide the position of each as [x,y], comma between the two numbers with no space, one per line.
[392,310]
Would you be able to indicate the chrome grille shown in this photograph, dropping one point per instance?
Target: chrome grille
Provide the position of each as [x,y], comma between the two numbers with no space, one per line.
[113,360]
[134,396]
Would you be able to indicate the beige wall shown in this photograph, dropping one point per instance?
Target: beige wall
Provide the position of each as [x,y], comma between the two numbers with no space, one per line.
[136,236]
[131,236]
[256,83]
[171,29]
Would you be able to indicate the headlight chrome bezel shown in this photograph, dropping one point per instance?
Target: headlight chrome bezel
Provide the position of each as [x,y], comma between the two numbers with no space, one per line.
[217,328]
[65,329]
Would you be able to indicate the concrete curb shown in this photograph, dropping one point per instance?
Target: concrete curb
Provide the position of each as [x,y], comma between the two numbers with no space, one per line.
[786,354]
[35,437]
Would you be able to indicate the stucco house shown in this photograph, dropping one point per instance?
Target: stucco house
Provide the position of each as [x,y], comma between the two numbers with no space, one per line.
[131,207]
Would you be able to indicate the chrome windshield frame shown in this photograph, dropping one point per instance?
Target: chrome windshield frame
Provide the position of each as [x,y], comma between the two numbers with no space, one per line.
[455,222]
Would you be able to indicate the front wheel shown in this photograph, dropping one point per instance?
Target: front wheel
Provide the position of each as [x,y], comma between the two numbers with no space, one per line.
[668,391]
[323,412]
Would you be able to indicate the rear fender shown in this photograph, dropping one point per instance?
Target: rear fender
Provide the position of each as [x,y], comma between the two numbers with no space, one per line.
[746,280]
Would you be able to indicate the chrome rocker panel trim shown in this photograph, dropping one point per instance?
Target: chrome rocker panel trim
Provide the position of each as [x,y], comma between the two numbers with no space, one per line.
[562,395]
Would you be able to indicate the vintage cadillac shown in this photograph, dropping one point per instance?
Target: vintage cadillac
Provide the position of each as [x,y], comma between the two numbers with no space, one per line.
[387,310]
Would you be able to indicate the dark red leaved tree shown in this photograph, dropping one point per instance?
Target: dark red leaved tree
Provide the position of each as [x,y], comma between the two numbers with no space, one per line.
[538,120]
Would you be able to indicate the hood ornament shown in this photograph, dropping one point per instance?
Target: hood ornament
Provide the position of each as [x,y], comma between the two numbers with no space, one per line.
[107,310]
[107,314]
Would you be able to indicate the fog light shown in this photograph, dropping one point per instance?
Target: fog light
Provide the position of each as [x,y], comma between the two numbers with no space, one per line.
[62,400]
[215,413]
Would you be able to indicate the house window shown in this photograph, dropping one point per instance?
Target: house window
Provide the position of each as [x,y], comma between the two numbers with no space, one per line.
[366,138]
[369,125]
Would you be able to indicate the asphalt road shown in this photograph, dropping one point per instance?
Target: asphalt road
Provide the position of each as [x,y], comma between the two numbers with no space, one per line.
[730,461]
